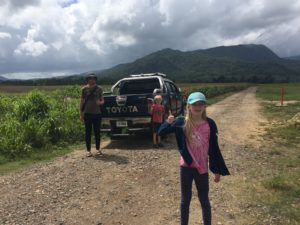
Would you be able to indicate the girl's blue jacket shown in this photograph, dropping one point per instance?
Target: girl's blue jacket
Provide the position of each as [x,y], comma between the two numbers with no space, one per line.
[216,161]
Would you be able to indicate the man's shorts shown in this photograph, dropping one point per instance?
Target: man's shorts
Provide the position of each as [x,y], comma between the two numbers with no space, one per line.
[155,127]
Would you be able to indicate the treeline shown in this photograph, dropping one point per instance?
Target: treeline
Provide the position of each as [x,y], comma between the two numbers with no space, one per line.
[190,78]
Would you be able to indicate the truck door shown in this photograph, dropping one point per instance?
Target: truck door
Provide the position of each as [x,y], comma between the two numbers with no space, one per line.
[178,97]
[172,97]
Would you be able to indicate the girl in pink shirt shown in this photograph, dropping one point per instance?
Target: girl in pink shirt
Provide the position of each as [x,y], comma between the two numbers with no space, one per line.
[197,141]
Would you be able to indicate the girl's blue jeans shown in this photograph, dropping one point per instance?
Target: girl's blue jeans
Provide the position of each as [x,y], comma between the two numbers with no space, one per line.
[187,175]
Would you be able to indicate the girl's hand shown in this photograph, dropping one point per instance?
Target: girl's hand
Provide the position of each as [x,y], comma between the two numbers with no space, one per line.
[82,118]
[217,178]
[170,119]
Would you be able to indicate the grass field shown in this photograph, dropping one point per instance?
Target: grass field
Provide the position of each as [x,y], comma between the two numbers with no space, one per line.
[14,89]
[271,92]
[282,190]
[24,89]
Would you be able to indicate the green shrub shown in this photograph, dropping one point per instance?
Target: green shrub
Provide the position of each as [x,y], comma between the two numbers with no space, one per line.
[5,105]
[12,141]
[33,105]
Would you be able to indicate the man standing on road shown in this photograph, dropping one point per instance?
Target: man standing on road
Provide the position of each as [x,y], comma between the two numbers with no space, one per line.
[90,113]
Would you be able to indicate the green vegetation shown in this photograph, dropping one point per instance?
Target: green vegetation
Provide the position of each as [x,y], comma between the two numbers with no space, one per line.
[242,63]
[214,92]
[36,122]
[282,188]
[271,92]
[39,125]
[15,89]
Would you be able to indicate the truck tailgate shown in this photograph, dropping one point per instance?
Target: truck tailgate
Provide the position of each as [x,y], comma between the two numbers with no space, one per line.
[126,106]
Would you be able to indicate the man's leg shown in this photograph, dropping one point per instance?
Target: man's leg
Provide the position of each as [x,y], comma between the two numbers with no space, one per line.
[97,126]
[88,131]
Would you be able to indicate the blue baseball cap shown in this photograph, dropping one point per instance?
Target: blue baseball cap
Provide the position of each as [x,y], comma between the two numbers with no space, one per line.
[196,97]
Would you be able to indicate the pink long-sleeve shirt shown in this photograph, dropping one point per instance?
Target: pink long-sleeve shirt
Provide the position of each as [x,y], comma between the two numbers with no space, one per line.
[198,148]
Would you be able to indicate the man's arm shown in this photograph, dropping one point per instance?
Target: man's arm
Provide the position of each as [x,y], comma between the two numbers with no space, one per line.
[100,101]
[80,109]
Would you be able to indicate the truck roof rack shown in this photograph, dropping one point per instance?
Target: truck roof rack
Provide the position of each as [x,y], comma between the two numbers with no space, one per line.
[148,75]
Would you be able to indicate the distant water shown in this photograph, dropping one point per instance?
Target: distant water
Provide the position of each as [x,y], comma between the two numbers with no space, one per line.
[36,75]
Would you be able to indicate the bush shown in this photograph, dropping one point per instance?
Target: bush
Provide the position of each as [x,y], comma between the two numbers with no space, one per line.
[12,141]
[37,120]
[34,105]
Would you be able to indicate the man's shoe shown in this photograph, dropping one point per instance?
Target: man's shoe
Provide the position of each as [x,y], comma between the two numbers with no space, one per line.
[99,152]
[155,146]
[160,145]
[89,154]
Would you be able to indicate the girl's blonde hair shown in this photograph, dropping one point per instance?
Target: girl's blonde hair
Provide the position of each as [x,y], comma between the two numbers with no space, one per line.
[157,98]
[190,123]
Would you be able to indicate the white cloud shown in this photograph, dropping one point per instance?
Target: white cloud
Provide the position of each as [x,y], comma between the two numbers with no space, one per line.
[95,34]
[29,46]
[112,27]
[4,35]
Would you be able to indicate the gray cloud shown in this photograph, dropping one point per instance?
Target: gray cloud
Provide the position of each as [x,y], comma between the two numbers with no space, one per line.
[71,35]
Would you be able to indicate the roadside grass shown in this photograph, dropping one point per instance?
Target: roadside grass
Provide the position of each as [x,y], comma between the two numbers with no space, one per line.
[47,154]
[8,166]
[281,189]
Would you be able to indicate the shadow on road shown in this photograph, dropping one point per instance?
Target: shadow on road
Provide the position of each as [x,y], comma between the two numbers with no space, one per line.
[136,142]
[112,158]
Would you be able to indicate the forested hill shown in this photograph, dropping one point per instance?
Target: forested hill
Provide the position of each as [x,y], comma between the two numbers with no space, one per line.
[2,79]
[254,53]
[241,63]
[296,57]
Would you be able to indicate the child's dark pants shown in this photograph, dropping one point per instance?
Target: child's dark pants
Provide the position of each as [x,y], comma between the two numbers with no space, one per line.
[92,120]
[187,175]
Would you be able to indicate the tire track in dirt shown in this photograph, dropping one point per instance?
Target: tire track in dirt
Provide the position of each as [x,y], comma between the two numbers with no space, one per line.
[132,183]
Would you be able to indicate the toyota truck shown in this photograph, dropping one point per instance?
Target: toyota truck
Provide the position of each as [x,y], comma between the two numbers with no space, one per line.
[126,108]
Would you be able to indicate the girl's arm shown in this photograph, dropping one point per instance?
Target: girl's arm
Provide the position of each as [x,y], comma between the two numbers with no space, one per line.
[217,178]
[151,109]
[216,161]
[170,125]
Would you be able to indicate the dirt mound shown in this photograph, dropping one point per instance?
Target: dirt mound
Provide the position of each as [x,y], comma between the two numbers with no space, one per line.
[295,120]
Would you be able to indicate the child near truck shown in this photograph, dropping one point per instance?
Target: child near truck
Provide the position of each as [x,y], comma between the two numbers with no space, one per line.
[157,111]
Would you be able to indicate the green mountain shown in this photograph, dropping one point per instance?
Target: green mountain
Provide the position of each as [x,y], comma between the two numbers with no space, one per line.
[296,57]
[241,63]
[252,53]
[2,79]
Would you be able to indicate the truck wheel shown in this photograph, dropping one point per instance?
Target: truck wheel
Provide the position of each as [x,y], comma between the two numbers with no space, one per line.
[114,137]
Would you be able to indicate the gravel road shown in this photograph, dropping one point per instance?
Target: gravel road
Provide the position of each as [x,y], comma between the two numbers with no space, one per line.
[133,184]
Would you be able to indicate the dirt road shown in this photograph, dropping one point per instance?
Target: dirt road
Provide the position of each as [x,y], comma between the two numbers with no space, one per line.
[133,184]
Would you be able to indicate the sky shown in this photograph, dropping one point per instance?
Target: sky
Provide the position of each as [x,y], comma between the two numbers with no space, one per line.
[42,38]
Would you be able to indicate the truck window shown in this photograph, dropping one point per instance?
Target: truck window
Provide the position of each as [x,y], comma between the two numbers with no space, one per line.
[170,87]
[176,90]
[141,86]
